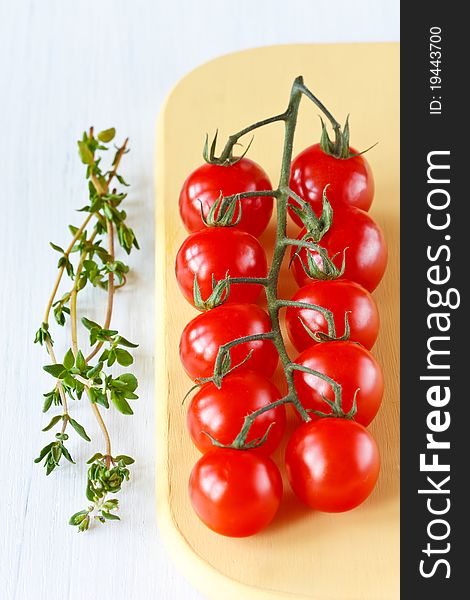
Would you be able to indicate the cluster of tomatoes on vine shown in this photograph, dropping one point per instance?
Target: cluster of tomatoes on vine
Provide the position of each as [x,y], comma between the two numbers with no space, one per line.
[332,461]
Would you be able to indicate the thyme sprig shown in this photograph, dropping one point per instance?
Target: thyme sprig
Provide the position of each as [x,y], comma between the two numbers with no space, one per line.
[80,372]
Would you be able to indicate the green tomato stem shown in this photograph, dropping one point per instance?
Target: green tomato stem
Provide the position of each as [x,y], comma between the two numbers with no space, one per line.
[226,153]
[225,349]
[257,280]
[334,123]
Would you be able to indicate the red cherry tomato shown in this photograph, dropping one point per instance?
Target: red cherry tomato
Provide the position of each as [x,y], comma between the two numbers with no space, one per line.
[332,464]
[339,296]
[234,492]
[202,337]
[350,180]
[205,184]
[366,254]
[350,365]
[215,251]
[221,412]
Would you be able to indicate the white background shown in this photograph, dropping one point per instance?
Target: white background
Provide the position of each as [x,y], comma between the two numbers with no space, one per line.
[66,64]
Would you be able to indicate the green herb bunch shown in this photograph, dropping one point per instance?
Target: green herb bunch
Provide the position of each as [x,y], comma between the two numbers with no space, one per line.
[81,374]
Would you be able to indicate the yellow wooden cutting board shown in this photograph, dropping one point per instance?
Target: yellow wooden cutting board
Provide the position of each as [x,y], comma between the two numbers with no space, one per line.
[303,554]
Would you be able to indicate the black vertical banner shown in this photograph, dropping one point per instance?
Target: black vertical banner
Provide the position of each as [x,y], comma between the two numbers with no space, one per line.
[435,259]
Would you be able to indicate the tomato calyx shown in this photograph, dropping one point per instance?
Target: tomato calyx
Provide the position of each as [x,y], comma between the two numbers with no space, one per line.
[336,409]
[340,147]
[223,160]
[328,269]
[225,369]
[321,336]
[240,442]
[219,294]
[222,212]
[223,362]
[327,315]
[243,445]
[336,405]
[315,226]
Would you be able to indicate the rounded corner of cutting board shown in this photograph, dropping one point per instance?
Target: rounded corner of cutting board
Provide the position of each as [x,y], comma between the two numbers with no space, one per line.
[205,576]
[208,580]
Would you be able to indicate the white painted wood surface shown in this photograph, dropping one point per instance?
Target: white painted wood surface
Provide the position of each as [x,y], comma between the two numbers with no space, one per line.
[63,66]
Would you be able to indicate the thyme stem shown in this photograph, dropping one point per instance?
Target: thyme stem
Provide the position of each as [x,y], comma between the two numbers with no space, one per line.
[111,289]
[63,396]
[104,430]
[73,296]
[77,235]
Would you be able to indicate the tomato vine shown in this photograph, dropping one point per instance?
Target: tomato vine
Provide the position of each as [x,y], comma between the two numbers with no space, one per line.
[335,385]
[316,227]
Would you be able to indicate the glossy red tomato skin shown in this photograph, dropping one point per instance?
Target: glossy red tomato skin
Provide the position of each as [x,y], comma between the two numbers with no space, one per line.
[221,412]
[236,493]
[207,181]
[203,335]
[366,254]
[338,296]
[217,251]
[350,365]
[332,464]
[350,180]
